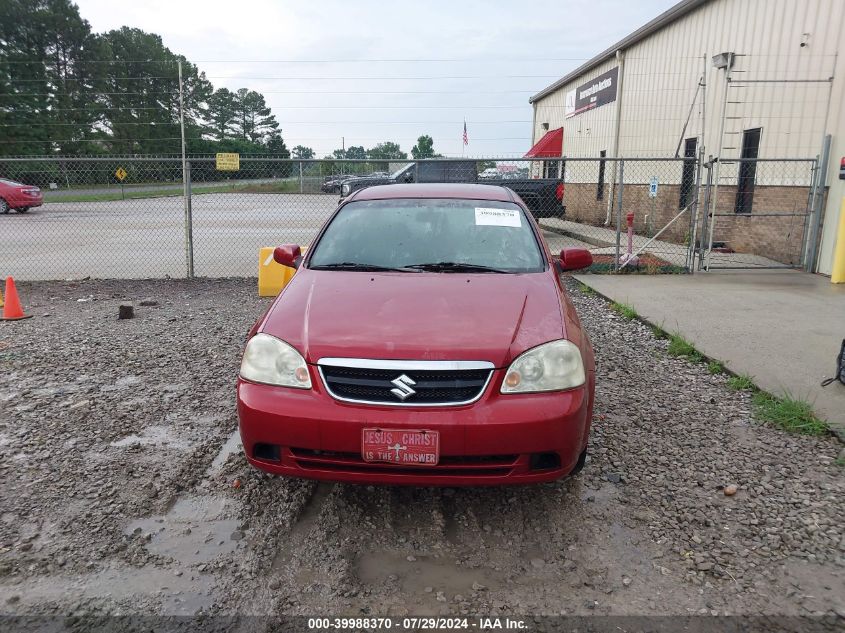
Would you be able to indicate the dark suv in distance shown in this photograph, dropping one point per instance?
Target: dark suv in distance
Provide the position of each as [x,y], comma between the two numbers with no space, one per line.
[543,196]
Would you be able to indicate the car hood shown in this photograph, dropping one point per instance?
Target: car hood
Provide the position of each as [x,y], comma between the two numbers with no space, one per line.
[418,316]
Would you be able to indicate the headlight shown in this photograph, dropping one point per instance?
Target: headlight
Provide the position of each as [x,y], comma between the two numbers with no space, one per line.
[273,362]
[345,189]
[549,367]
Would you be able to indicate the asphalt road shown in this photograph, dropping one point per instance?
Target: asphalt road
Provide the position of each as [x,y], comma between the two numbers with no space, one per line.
[145,238]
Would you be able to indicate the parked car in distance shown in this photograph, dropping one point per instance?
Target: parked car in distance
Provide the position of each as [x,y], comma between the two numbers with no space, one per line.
[426,338]
[544,196]
[489,173]
[17,196]
[331,184]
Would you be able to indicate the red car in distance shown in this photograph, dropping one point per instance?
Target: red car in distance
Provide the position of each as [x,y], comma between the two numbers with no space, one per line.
[426,338]
[17,196]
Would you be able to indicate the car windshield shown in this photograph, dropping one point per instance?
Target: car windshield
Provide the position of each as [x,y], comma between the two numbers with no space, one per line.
[442,235]
[399,171]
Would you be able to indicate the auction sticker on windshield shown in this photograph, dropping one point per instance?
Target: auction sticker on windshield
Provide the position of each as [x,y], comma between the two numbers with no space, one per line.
[485,216]
[399,446]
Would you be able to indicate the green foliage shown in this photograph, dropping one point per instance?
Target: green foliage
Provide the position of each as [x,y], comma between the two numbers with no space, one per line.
[356,152]
[659,332]
[584,288]
[788,413]
[742,382]
[678,346]
[300,151]
[626,311]
[715,367]
[424,148]
[387,151]
[66,90]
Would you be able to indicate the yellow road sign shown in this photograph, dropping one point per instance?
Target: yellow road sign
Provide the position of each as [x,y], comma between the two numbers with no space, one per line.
[228,161]
[121,174]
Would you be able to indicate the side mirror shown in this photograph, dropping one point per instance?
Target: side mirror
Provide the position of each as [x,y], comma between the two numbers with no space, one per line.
[575,258]
[288,255]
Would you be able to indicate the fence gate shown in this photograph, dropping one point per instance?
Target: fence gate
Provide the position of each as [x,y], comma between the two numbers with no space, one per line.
[758,213]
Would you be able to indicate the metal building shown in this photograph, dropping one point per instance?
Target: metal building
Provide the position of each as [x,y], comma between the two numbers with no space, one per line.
[754,84]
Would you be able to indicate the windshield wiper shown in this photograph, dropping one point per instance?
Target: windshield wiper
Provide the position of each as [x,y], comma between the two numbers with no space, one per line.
[457,267]
[357,266]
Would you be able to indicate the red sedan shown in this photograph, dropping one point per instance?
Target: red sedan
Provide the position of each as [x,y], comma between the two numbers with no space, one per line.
[21,198]
[426,338]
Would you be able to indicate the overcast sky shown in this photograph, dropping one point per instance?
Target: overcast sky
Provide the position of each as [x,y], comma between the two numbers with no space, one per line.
[375,71]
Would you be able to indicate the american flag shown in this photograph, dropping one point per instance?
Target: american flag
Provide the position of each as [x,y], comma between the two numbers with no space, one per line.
[466,137]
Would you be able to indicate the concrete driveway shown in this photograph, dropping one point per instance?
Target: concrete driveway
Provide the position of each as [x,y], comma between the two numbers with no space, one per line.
[784,328]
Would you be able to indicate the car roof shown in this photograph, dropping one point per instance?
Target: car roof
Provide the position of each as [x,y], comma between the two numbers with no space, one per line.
[435,190]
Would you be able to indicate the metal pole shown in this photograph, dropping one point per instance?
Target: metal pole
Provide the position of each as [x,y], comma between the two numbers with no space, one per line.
[620,62]
[815,210]
[619,213]
[186,195]
[189,222]
[300,176]
[714,197]
[705,217]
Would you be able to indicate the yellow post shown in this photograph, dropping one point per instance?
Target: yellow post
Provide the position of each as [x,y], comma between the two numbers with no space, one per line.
[272,277]
[838,274]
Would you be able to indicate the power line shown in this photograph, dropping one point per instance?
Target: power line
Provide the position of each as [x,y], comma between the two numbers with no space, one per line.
[485,60]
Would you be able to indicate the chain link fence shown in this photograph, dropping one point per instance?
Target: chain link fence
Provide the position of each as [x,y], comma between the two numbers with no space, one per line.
[759,213]
[128,217]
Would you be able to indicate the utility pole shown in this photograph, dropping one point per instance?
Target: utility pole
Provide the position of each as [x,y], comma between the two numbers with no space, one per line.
[186,196]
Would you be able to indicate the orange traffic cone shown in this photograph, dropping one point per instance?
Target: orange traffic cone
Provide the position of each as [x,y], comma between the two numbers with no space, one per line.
[12,310]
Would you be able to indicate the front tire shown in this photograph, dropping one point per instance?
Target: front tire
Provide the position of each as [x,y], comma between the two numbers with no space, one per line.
[4,206]
[579,465]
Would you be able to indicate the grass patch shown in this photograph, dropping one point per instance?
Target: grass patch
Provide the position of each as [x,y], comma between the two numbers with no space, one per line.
[679,346]
[585,289]
[269,187]
[715,367]
[840,461]
[742,382]
[788,413]
[659,332]
[625,310]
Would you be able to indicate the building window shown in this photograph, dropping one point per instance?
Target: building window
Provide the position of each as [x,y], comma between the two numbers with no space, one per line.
[600,185]
[554,169]
[747,170]
[688,174]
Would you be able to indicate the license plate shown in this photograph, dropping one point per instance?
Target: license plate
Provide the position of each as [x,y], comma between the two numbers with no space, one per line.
[399,446]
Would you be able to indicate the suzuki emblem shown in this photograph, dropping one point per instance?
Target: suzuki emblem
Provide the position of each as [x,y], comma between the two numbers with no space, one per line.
[403,389]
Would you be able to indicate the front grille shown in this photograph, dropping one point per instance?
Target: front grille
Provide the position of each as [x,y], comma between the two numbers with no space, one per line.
[429,387]
[454,465]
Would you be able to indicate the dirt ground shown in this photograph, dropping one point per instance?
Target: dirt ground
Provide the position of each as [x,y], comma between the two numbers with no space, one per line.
[124,490]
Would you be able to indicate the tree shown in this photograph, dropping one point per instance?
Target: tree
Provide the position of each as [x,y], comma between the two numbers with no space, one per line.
[276,145]
[339,154]
[141,97]
[356,152]
[303,152]
[386,151]
[46,77]
[424,148]
[254,121]
[222,112]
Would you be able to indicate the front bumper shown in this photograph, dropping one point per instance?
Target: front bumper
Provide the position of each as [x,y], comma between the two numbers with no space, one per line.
[499,439]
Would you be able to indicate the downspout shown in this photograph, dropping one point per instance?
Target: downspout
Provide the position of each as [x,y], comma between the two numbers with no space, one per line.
[620,61]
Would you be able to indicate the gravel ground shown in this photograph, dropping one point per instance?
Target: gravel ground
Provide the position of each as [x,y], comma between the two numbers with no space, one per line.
[124,490]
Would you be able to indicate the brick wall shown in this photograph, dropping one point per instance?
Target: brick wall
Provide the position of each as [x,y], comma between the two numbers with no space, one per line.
[780,239]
